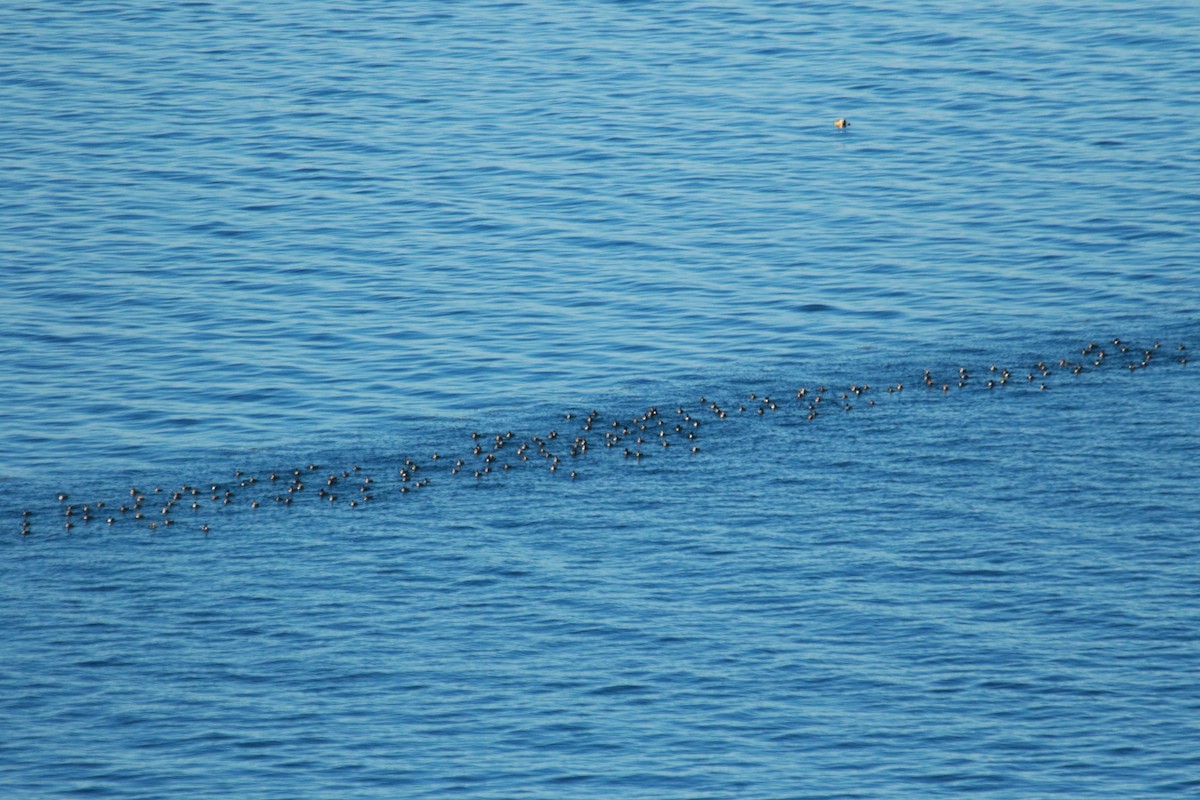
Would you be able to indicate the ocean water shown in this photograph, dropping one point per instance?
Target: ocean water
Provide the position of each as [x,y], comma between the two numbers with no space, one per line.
[260,263]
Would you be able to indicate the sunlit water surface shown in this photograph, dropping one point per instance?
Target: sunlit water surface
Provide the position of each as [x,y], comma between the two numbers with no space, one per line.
[321,241]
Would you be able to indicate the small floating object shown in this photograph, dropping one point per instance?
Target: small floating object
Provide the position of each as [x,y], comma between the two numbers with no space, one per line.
[841,123]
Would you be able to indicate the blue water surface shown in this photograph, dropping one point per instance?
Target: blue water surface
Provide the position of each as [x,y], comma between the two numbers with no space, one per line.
[327,241]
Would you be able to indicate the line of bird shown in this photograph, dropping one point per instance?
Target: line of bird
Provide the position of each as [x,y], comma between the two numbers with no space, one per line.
[633,437]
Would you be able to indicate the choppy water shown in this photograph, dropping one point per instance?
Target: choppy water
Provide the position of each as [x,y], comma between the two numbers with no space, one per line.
[255,239]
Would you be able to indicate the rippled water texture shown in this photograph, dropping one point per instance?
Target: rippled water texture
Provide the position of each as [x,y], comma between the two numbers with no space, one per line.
[258,237]
[286,221]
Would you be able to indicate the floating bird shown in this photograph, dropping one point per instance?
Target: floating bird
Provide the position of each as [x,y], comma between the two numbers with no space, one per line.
[575,445]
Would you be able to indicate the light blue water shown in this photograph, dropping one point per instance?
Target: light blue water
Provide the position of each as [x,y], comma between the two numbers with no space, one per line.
[261,238]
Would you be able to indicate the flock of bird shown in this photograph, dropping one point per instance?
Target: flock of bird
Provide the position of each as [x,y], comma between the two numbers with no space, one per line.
[190,506]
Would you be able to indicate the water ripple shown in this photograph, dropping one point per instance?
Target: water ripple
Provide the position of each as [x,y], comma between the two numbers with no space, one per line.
[302,233]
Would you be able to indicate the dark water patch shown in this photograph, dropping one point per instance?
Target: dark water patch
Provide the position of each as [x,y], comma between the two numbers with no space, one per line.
[587,445]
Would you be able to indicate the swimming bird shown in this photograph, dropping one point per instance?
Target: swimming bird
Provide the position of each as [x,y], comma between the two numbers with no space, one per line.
[841,123]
